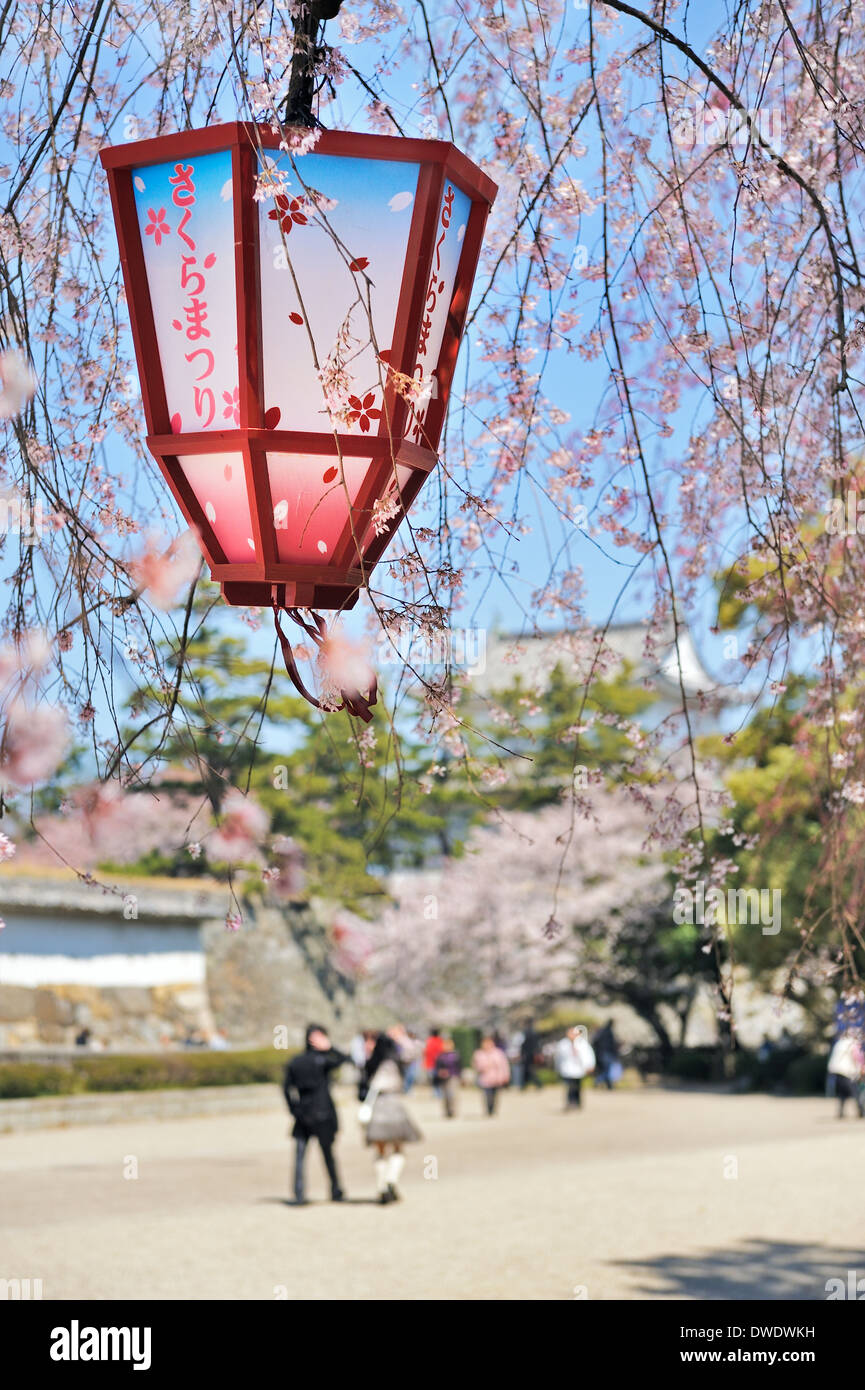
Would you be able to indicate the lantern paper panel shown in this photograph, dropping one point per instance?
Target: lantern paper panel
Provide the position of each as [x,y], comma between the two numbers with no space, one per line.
[390,501]
[219,484]
[315,511]
[186,222]
[311,500]
[451,225]
[325,216]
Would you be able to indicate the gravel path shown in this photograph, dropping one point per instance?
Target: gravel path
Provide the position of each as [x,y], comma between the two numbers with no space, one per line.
[643,1194]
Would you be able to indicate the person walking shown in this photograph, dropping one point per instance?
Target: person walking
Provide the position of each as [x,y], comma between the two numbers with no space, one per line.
[529,1049]
[574,1059]
[432,1048]
[357,1050]
[307,1092]
[515,1057]
[412,1052]
[448,1070]
[389,1125]
[606,1049]
[492,1071]
[846,1067]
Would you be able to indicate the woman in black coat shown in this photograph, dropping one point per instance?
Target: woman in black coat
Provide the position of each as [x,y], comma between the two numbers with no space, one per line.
[307,1094]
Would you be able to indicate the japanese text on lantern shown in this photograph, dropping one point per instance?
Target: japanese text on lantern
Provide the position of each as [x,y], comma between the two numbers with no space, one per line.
[434,293]
[193,284]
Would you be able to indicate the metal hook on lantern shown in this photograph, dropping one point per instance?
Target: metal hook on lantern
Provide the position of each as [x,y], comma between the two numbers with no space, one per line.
[352,700]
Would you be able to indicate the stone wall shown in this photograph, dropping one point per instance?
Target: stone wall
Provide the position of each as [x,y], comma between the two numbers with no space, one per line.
[277,973]
[69,953]
[124,1015]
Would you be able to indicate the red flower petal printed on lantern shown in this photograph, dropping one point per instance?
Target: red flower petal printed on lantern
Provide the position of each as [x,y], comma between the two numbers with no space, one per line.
[328,475]
[362,411]
[232,408]
[296,318]
[288,213]
[176,424]
[157,227]
[272,417]
[360,264]
[209,261]
[175,323]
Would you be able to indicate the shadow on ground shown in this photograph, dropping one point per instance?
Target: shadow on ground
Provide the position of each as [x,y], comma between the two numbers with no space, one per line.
[322,1202]
[761,1270]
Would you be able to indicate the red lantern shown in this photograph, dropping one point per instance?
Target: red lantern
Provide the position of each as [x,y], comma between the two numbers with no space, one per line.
[296,320]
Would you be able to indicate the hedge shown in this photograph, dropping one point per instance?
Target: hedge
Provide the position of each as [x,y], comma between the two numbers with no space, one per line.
[35,1079]
[795,1070]
[792,1070]
[140,1072]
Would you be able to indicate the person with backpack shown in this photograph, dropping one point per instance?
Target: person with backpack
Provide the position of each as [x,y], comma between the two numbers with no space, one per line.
[448,1070]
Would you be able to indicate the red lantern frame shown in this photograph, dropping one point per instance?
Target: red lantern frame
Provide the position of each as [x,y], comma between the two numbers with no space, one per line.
[267,580]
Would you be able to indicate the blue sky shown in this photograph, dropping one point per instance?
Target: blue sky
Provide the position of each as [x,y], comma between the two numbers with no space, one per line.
[615,579]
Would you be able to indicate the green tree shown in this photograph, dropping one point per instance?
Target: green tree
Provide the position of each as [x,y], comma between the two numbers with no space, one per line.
[359,800]
[564,730]
[778,772]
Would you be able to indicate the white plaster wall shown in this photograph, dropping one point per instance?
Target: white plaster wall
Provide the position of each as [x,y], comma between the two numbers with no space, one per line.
[44,951]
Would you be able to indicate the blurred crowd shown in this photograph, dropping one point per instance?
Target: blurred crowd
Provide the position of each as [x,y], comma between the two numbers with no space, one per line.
[389,1064]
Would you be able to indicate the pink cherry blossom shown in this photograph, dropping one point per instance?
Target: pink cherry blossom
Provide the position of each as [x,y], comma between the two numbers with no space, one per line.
[343,664]
[162,573]
[35,740]
[24,661]
[242,828]
[353,943]
[18,383]
[287,872]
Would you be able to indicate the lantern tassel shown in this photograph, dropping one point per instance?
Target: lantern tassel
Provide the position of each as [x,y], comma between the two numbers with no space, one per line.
[352,700]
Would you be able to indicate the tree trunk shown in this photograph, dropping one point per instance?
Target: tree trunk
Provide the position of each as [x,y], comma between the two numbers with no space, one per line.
[684,1014]
[648,1011]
